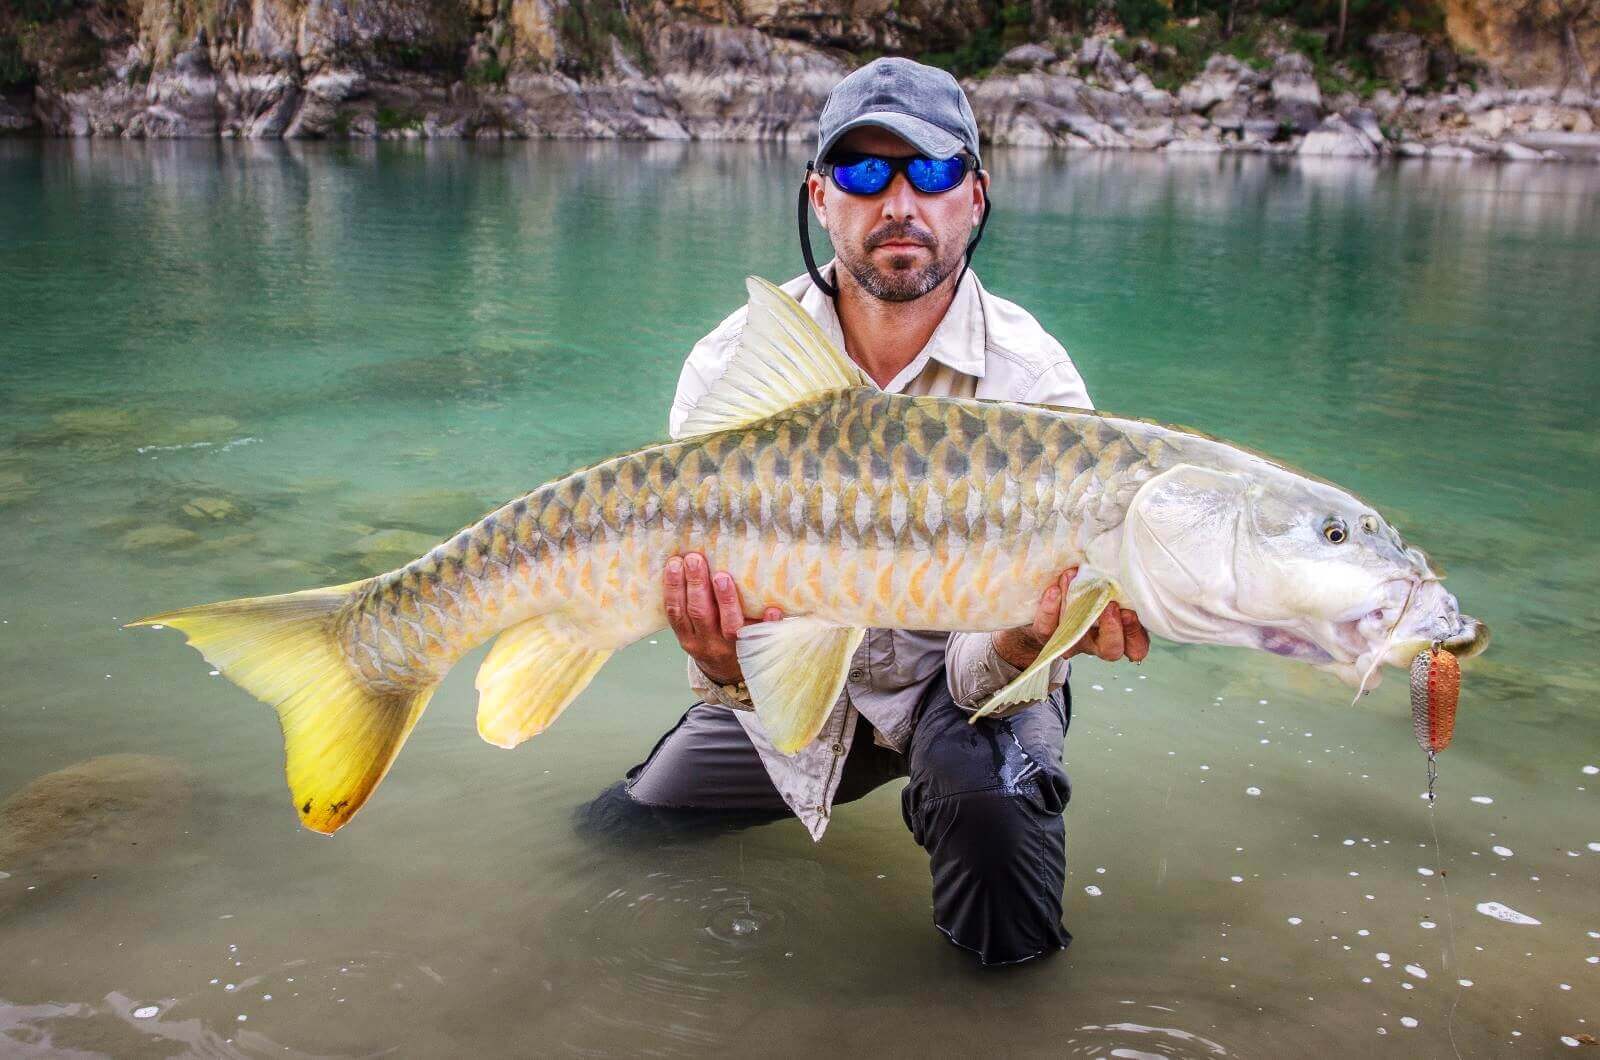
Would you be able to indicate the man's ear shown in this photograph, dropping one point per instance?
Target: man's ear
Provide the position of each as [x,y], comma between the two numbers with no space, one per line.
[816,189]
[980,194]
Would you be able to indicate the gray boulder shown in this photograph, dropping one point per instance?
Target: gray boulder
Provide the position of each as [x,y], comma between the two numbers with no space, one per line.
[1400,57]
[1367,123]
[1222,77]
[1296,99]
[1337,138]
[1028,57]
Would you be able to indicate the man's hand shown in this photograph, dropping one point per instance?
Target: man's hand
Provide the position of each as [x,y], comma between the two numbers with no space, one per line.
[1116,635]
[705,614]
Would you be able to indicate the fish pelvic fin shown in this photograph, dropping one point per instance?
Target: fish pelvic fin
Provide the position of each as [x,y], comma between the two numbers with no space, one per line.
[795,669]
[529,677]
[783,359]
[340,735]
[1085,601]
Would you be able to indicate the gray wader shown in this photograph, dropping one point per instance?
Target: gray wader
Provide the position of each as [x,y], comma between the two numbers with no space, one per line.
[984,801]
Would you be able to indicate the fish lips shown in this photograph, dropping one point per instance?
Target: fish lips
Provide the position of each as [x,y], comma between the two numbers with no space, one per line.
[1461,635]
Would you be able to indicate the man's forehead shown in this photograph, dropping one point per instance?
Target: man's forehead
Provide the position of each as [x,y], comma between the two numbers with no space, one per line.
[873,139]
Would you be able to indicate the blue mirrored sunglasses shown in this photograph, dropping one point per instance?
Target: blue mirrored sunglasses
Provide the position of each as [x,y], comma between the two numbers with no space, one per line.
[870,174]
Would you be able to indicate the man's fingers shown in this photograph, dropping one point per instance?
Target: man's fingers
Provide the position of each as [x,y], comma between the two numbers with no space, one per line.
[772,614]
[729,610]
[701,608]
[1108,641]
[672,596]
[1135,637]
[1048,615]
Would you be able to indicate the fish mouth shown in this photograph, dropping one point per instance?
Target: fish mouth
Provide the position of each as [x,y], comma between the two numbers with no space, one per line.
[1436,619]
[1469,640]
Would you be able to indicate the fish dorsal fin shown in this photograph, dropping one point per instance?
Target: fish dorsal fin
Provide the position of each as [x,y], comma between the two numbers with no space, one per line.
[795,669]
[530,675]
[783,358]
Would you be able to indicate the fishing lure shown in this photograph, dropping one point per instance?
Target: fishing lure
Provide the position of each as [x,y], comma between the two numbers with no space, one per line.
[1435,688]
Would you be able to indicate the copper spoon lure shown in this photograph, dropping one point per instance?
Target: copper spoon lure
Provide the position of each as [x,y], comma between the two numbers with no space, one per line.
[1435,688]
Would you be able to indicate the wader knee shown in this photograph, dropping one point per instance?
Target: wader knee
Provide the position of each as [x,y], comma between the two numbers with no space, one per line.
[985,801]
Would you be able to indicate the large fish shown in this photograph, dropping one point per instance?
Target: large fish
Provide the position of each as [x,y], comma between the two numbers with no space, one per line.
[847,508]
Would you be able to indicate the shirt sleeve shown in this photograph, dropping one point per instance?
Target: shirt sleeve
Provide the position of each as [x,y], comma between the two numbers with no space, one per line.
[976,671]
[1060,384]
[705,365]
[711,692]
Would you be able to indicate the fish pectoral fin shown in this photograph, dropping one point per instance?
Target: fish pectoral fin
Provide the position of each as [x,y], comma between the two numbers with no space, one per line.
[783,358]
[795,669]
[1084,603]
[530,675]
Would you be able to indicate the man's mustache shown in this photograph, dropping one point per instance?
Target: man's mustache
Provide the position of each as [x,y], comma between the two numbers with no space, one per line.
[901,232]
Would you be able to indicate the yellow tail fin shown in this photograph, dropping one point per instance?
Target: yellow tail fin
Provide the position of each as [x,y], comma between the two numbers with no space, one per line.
[339,735]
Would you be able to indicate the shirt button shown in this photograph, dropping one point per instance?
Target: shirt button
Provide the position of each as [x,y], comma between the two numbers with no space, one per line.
[857,674]
[838,748]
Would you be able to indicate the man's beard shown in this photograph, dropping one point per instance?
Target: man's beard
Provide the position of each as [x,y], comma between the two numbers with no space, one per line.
[892,284]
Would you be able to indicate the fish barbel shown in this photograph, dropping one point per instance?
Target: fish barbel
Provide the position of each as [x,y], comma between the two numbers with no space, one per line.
[847,508]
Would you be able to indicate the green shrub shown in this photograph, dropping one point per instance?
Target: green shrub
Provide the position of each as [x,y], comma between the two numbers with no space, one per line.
[489,72]
[390,118]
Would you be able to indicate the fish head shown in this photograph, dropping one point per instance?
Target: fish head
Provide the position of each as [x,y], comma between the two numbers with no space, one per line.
[1259,556]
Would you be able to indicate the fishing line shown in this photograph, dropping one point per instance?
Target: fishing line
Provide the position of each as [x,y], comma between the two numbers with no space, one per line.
[1388,642]
[1449,911]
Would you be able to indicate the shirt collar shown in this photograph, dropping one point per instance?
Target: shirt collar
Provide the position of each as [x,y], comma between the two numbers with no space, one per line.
[958,342]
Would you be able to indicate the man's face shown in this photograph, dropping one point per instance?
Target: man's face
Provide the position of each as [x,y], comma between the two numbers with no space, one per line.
[900,243]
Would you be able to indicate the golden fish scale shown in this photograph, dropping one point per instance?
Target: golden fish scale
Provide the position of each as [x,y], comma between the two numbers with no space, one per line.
[864,508]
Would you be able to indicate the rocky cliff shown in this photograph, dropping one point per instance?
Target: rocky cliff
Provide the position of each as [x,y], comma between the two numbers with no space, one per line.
[758,69]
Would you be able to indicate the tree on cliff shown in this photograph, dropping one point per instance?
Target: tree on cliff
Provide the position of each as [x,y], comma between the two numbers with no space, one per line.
[1564,18]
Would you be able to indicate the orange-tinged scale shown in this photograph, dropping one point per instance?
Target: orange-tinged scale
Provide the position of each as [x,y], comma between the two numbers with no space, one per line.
[1435,689]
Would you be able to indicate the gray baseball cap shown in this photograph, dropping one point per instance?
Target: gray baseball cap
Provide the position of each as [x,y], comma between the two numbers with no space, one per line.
[922,105]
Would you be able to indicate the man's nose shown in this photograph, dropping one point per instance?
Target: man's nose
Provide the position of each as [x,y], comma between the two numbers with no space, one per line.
[900,199]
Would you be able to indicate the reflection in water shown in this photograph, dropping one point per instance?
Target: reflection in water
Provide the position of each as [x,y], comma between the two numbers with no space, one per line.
[236,369]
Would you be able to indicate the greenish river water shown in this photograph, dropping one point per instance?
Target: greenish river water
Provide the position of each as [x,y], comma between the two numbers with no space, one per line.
[339,351]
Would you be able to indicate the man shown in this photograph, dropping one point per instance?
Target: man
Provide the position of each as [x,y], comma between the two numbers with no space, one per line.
[898,186]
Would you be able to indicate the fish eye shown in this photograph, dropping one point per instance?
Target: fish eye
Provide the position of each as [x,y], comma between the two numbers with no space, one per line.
[1369,523]
[1334,530]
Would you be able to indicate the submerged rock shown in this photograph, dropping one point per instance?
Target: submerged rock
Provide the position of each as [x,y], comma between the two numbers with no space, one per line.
[96,421]
[15,487]
[152,538]
[105,811]
[205,429]
[391,548]
[214,510]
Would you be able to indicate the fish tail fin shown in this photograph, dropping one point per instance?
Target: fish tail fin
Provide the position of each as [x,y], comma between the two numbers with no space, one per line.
[340,735]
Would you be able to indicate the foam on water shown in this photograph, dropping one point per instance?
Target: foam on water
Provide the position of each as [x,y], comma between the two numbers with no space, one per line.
[1483,800]
[1501,911]
[1504,852]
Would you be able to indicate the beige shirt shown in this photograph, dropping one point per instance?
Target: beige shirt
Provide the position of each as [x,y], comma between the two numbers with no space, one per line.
[985,347]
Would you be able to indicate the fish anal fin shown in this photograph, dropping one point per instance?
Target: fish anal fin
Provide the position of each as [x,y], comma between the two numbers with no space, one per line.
[532,673]
[795,669]
[783,358]
[1085,601]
